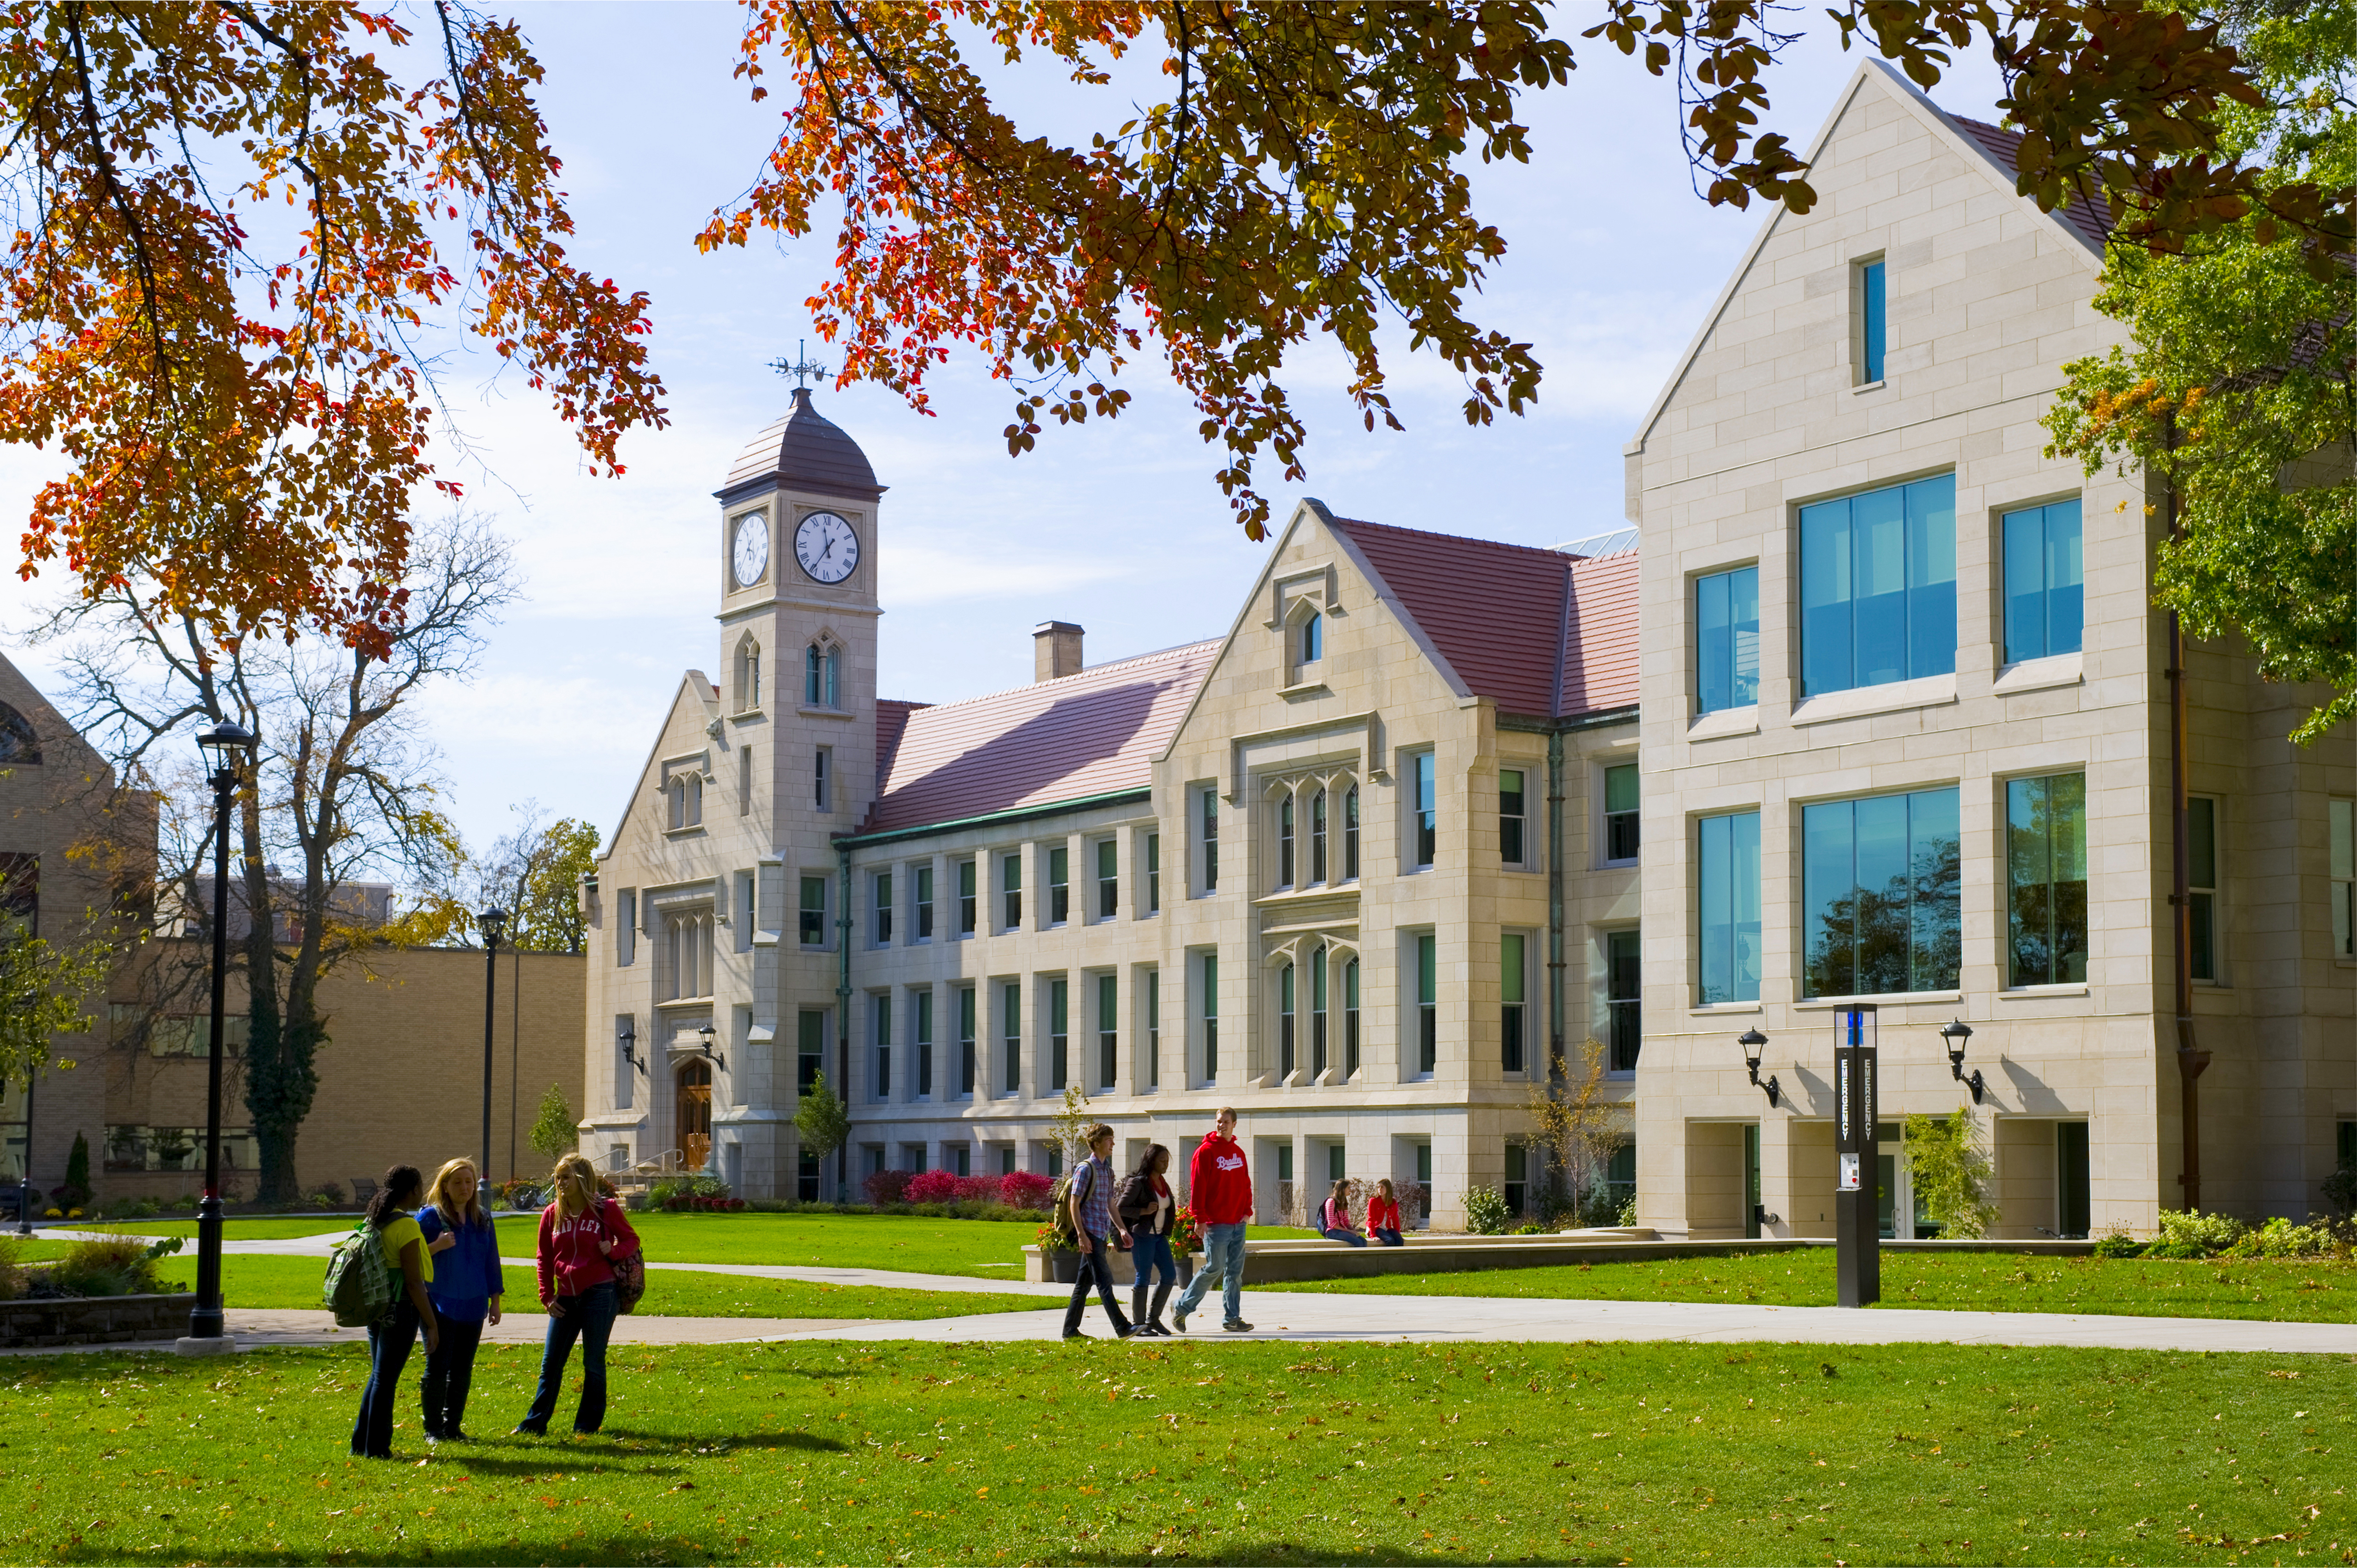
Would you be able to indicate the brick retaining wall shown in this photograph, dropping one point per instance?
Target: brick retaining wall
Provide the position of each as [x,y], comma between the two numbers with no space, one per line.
[92,1320]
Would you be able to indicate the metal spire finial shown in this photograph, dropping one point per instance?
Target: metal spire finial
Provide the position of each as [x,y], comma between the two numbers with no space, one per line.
[802,368]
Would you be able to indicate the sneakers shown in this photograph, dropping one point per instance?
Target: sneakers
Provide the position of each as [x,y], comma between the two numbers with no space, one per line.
[1179,1318]
[1237,1326]
[1076,1334]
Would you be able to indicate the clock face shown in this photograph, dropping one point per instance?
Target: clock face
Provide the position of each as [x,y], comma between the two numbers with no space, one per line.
[826,547]
[748,553]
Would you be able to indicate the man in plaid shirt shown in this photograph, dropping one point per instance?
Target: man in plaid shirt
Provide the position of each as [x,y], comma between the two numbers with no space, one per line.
[1090,1200]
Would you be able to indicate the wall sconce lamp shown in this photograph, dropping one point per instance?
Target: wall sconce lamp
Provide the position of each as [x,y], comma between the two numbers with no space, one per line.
[1957,1033]
[705,1035]
[629,1040]
[1753,1042]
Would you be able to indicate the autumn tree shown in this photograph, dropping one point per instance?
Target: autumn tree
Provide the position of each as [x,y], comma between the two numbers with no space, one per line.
[1306,173]
[2235,388]
[534,873]
[342,779]
[1579,1125]
[233,233]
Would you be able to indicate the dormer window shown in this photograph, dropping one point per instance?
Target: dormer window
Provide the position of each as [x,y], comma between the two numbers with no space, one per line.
[822,675]
[1302,629]
[683,797]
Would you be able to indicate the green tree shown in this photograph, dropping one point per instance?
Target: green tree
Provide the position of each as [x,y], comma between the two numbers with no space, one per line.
[78,1189]
[1951,1173]
[45,985]
[535,874]
[2236,391]
[553,1132]
[823,1119]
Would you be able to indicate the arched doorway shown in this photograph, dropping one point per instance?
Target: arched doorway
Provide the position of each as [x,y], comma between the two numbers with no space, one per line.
[695,1083]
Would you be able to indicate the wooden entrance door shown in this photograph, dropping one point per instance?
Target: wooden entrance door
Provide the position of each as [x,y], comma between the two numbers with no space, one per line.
[695,1082]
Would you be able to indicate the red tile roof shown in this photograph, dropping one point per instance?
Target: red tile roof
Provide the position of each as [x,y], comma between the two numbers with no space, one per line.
[2089,218]
[1090,734]
[891,721]
[1542,633]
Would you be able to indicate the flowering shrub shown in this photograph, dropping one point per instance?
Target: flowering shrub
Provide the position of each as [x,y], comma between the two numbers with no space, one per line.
[884,1188]
[1186,1231]
[931,1186]
[1022,1189]
[684,1203]
[1054,1237]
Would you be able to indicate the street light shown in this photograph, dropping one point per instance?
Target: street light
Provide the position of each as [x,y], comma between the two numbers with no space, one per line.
[493,921]
[704,1038]
[226,749]
[1753,1042]
[1956,1031]
[629,1045]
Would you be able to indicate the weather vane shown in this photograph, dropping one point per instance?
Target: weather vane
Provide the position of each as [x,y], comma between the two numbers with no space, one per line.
[802,367]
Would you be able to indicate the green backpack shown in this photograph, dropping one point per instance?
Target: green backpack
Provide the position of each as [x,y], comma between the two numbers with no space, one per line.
[359,1288]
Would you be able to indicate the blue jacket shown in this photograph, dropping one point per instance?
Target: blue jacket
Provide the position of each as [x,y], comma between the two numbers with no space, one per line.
[465,1276]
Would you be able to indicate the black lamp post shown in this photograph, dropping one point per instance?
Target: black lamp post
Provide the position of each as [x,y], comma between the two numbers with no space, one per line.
[1753,1042]
[1956,1031]
[226,747]
[703,1038]
[493,922]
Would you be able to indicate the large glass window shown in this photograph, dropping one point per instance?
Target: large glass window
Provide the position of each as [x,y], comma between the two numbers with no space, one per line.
[1727,864]
[1624,980]
[881,902]
[2046,873]
[2344,877]
[1060,885]
[1878,587]
[1059,1000]
[2044,582]
[1423,827]
[2201,882]
[1511,823]
[1284,1016]
[1318,1062]
[813,912]
[1108,879]
[1726,640]
[1513,1055]
[1108,1029]
[1620,812]
[921,1003]
[1011,1015]
[921,896]
[1879,895]
[965,1021]
[881,1006]
[1010,891]
[1427,1002]
[810,1049]
[1350,1019]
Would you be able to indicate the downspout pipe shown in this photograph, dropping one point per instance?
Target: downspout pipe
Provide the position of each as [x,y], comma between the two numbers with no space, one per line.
[1554,907]
[2190,1059]
[842,1017]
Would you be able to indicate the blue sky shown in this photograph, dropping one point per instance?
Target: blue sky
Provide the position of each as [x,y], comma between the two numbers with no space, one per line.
[1613,259]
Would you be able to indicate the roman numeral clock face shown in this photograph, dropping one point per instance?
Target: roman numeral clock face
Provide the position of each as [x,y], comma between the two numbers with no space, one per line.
[827,547]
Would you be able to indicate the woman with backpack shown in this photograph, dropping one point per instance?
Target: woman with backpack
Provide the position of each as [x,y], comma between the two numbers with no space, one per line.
[1334,1218]
[465,1292]
[1148,1208]
[582,1237]
[403,1247]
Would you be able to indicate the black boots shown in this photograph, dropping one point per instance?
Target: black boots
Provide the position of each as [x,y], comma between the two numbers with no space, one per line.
[1150,1322]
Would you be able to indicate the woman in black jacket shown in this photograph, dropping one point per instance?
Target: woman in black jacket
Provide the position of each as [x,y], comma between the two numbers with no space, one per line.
[1148,1208]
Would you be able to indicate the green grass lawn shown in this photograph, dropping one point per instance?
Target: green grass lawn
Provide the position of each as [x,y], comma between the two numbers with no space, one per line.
[823,1452]
[981,1248]
[2314,1290]
[277,1227]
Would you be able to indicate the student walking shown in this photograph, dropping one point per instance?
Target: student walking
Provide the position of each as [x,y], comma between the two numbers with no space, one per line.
[1219,1188]
[1146,1207]
[1334,1218]
[1383,1215]
[466,1290]
[581,1233]
[405,1254]
[1090,1200]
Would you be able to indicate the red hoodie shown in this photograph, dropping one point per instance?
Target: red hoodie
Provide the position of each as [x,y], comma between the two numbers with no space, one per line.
[570,1262]
[1220,1188]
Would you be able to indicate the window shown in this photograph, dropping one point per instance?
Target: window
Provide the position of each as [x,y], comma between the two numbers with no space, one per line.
[2044,582]
[2046,873]
[1513,827]
[1350,834]
[1312,642]
[2201,882]
[625,927]
[1624,977]
[1516,1190]
[1424,823]
[2072,1188]
[920,894]
[965,1013]
[810,1046]
[1317,836]
[1512,1054]
[883,906]
[966,875]
[962,1159]
[1211,993]
[1060,891]
[822,676]
[687,956]
[920,1032]
[1726,640]
[1285,840]
[1010,889]
[1108,879]
[1284,1162]
[1873,322]
[1424,1166]
[1060,997]
[1284,1022]
[748,894]
[1620,1175]
[2344,877]
[1108,1029]
[1621,813]
[813,912]
[743,780]
[1318,1062]
[882,1008]
[1007,1162]
[1154,873]
[1878,587]
[821,792]
[1427,1002]
[806,1176]
[1153,1028]
[1011,1000]
[683,792]
[1879,896]
[1351,1019]
[1211,831]
[1726,867]
[748,675]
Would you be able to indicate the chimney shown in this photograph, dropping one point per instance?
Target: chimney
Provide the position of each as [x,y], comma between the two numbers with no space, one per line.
[1055,650]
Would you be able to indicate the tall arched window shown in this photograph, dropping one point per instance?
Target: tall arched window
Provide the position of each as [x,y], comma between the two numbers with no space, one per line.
[822,675]
[834,675]
[1317,836]
[1313,639]
[748,675]
[18,741]
[813,673]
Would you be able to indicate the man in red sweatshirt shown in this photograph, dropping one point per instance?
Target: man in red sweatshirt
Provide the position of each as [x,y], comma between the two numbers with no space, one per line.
[1220,1191]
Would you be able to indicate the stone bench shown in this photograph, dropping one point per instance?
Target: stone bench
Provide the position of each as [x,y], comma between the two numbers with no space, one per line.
[40,1322]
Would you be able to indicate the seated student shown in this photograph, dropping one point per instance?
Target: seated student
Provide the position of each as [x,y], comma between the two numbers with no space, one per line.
[1334,1217]
[1383,1215]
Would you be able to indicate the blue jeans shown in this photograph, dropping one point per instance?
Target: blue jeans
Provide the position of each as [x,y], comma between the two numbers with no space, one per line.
[1223,1259]
[1096,1273]
[1149,1254]
[590,1318]
[389,1345]
[1387,1236]
[1350,1237]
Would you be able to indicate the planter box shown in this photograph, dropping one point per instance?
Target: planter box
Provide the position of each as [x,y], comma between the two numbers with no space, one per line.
[94,1320]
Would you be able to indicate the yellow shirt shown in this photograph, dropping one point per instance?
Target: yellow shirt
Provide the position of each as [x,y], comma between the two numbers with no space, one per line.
[399,1234]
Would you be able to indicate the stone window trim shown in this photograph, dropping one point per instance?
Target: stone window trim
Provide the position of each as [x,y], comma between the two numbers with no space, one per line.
[1300,953]
[1301,789]
[1295,598]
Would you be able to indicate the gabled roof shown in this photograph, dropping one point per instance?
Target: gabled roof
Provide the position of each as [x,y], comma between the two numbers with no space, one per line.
[1542,633]
[891,721]
[803,451]
[1091,734]
[2091,219]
